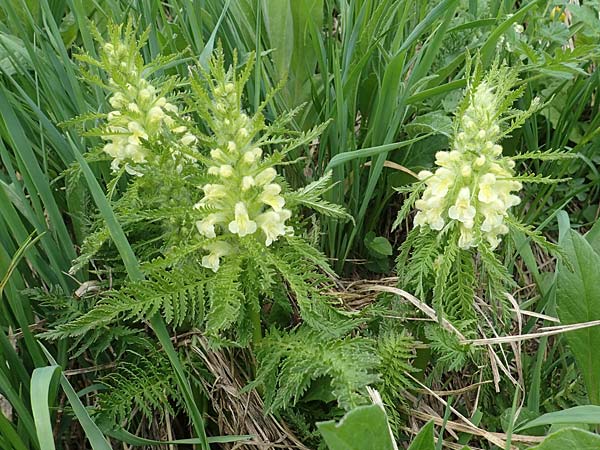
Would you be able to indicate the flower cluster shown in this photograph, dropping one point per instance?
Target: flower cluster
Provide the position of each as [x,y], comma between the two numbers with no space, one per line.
[139,112]
[243,197]
[473,186]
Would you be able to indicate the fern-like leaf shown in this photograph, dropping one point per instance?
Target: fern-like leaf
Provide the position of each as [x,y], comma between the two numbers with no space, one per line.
[290,362]
[177,294]
[311,197]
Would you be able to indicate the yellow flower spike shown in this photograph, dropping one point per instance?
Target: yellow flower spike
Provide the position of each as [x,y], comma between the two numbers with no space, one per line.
[473,188]
[249,200]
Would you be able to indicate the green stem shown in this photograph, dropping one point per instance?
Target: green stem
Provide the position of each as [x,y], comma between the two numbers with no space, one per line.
[256,325]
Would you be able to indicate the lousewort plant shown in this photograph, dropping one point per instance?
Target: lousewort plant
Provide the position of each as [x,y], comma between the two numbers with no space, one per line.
[216,229]
[464,206]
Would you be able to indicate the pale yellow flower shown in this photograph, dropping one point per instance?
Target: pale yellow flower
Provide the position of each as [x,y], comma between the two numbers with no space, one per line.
[462,210]
[217,251]
[272,226]
[270,196]
[265,177]
[242,225]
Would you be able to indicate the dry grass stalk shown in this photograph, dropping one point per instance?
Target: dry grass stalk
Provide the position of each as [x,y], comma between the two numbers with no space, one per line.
[240,413]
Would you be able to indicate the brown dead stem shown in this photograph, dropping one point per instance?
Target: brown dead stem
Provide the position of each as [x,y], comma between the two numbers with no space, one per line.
[237,412]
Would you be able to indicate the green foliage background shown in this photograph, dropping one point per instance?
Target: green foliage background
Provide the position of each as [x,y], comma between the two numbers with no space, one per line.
[385,76]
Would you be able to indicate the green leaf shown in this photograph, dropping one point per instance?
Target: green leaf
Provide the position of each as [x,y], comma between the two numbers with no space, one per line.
[135,274]
[311,196]
[378,245]
[593,237]
[436,122]
[578,300]
[210,44]
[12,50]
[42,379]
[91,430]
[363,428]
[425,438]
[570,438]
[10,435]
[578,415]
[279,23]
[131,439]
[343,158]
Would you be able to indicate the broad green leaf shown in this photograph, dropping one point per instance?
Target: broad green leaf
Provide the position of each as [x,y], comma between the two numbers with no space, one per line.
[363,428]
[280,29]
[570,439]
[434,122]
[578,415]
[578,300]
[593,237]
[425,439]
[305,14]
[378,244]
[12,54]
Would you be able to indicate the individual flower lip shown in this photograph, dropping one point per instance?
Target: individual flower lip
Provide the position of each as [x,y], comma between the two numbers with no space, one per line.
[272,224]
[487,193]
[265,177]
[247,182]
[217,250]
[270,196]
[462,210]
[206,226]
[242,225]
